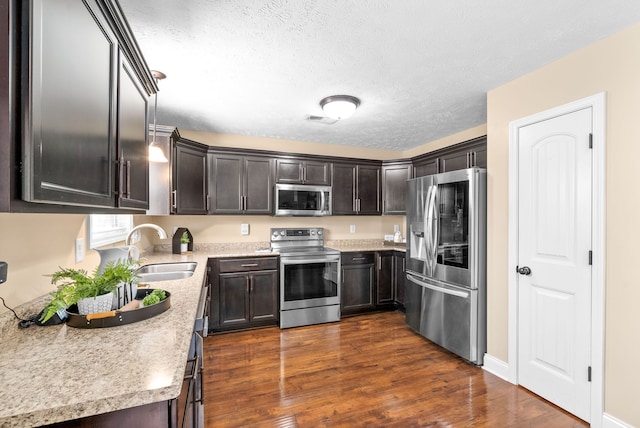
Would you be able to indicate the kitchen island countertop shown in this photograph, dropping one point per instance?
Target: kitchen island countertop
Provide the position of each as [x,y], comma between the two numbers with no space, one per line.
[60,373]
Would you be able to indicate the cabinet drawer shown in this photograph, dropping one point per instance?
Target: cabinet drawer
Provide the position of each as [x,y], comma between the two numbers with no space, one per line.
[357,258]
[248,264]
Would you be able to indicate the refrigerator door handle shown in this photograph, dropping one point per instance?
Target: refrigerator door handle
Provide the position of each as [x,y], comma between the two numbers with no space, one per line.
[428,227]
[456,293]
[425,231]
[435,225]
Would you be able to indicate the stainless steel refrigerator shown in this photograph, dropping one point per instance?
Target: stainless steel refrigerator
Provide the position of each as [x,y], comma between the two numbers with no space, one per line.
[446,291]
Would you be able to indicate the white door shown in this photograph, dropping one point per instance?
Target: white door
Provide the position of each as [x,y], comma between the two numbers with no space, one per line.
[554,243]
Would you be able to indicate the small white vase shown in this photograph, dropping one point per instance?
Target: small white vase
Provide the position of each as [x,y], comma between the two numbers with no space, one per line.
[184,248]
[91,305]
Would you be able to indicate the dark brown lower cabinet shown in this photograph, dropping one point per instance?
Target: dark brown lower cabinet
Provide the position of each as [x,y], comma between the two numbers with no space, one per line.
[358,282]
[390,279]
[245,293]
[399,266]
[385,279]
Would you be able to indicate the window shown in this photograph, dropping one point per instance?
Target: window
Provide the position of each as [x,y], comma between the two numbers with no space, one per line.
[108,228]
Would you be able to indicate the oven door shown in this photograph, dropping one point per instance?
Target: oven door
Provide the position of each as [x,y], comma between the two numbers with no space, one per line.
[308,281]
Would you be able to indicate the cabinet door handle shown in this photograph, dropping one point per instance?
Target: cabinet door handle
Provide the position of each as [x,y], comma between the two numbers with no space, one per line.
[174,199]
[358,258]
[468,159]
[208,203]
[475,159]
[128,179]
[353,183]
[247,284]
[121,178]
[304,174]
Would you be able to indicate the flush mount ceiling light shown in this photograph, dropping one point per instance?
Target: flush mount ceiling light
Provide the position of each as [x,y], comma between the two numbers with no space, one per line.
[155,152]
[339,106]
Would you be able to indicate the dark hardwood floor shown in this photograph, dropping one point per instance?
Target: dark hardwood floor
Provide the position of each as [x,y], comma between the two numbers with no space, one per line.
[365,371]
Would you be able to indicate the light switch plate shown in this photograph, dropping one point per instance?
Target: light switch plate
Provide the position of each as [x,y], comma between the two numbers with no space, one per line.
[352,228]
[244,229]
[79,250]
[4,268]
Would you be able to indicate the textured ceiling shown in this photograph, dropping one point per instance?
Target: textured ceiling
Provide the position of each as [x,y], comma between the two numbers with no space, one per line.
[420,68]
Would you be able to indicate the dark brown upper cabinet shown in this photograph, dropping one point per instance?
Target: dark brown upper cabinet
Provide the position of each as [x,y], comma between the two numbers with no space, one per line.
[356,188]
[300,171]
[394,187]
[74,109]
[190,181]
[240,184]
[133,153]
[468,154]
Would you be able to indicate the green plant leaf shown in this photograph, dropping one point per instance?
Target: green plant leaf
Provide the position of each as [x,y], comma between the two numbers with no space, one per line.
[75,284]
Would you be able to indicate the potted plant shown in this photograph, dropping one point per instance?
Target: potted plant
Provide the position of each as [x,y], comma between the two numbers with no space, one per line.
[184,242]
[92,293]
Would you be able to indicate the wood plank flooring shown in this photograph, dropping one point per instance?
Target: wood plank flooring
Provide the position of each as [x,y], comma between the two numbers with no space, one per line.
[365,371]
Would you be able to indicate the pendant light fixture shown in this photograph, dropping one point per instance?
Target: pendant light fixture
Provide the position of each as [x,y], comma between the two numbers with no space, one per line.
[155,151]
[339,106]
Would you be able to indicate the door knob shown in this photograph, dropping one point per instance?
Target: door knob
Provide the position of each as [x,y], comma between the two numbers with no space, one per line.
[524,270]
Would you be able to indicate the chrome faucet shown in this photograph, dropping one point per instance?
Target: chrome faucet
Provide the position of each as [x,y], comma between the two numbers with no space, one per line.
[161,233]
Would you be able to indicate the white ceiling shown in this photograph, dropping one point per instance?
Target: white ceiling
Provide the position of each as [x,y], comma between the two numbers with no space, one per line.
[420,68]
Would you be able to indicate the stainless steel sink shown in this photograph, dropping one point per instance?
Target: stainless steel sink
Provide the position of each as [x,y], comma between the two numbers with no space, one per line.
[165,271]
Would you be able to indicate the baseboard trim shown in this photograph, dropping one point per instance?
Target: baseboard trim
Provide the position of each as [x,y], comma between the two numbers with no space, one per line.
[496,366]
[609,421]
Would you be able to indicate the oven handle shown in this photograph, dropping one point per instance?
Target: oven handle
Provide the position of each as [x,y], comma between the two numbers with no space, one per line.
[310,260]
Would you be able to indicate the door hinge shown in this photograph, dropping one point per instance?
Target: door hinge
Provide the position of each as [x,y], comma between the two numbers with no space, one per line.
[591,141]
[590,257]
[589,374]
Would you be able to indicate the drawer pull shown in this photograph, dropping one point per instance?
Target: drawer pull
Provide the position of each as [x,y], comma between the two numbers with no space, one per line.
[249,265]
[358,258]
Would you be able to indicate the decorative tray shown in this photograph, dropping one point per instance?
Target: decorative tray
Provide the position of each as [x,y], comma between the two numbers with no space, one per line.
[116,317]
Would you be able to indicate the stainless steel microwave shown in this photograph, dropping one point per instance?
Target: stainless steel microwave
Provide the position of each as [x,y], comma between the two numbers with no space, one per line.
[302,200]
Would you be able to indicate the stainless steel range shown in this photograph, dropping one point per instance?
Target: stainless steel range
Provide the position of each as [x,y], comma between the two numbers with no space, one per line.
[309,277]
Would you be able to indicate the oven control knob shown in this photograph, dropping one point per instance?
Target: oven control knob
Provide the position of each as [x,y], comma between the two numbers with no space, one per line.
[282,233]
[319,232]
[313,232]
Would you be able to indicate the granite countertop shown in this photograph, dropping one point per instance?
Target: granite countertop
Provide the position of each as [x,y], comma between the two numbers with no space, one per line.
[59,373]
[366,245]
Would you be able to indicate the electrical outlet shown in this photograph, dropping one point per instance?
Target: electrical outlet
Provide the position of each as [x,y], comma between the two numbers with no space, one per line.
[4,268]
[352,228]
[244,229]
[396,228]
[79,250]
